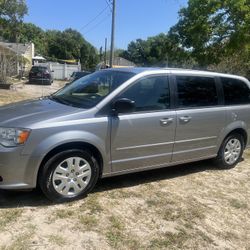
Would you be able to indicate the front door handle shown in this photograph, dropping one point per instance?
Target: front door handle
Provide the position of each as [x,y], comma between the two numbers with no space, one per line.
[166,121]
[185,119]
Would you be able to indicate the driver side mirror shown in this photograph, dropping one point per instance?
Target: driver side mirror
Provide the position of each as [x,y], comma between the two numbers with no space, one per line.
[123,105]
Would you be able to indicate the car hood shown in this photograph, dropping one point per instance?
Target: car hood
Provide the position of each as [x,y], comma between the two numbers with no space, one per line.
[26,113]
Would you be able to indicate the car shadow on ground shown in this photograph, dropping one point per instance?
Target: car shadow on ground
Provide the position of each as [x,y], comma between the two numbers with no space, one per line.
[35,198]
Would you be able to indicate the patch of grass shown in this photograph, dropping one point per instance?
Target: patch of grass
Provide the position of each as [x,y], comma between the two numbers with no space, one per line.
[170,240]
[205,237]
[115,238]
[88,221]
[57,240]
[63,213]
[160,200]
[153,202]
[115,235]
[118,238]
[238,204]
[116,223]
[92,204]
[138,210]
[187,214]
[247,153]
[9,216]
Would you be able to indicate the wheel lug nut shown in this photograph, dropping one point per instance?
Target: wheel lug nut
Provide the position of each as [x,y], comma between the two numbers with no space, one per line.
[75,179]
[67,175]
[77,173]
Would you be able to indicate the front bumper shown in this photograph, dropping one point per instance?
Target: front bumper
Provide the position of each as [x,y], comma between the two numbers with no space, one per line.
[17,171]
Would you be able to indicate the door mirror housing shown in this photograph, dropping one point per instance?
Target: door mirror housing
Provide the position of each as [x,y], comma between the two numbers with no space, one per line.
[122,106]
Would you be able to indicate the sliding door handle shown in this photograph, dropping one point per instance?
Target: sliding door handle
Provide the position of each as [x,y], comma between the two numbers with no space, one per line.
[166,121]
[185,119]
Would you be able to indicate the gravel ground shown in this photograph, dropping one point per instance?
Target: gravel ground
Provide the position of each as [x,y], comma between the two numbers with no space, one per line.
[192,206]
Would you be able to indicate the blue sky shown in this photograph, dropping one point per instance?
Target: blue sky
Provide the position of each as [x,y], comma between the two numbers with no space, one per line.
[135,18]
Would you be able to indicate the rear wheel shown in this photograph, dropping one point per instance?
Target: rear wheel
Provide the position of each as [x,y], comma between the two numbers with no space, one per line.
[231,151]
[69,175]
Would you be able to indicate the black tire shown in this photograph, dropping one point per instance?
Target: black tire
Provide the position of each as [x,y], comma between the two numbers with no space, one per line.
[220,159]
[45,178]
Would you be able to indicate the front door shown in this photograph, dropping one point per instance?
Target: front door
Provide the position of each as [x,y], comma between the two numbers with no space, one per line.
[144,138]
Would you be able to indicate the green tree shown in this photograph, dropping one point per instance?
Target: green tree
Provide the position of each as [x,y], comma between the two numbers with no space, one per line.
[70,44]
[159,50]
[11,16]
[34,34]
[89,57]
[213,29]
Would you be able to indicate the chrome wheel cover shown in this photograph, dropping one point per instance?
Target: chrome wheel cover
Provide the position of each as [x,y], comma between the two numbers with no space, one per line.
[71,176]
[232,151]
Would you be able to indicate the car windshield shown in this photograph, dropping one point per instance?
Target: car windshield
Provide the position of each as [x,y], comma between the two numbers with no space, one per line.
[89,90]
[38,69]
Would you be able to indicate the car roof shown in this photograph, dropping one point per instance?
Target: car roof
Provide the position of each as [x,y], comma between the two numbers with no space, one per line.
[39,66]
[138,70]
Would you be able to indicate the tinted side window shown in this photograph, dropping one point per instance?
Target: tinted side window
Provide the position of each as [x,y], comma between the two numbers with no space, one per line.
[149,94]
[235,91]
[196,91]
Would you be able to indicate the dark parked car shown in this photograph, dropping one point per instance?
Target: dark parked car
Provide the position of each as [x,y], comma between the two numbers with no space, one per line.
[41,75]
[77,75]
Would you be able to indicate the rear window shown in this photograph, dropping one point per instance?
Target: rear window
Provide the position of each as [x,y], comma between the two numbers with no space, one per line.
[38,69]
[196,91]
[235,91]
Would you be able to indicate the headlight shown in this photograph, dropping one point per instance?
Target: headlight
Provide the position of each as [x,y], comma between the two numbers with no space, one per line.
[12,137]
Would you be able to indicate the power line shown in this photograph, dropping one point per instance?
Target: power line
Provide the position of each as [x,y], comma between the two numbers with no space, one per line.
[111,59]
[94,27]
[109,5]
[92,20]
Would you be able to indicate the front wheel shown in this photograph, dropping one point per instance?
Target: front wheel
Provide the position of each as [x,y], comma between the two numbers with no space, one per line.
[69,175]
[231,151]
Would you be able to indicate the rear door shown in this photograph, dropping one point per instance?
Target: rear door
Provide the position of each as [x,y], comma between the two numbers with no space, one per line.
[200,117]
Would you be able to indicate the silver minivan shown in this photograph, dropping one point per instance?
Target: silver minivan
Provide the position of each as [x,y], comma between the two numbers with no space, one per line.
[119,121]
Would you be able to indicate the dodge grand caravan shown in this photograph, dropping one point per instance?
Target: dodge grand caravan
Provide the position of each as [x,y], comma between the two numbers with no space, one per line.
[119,121]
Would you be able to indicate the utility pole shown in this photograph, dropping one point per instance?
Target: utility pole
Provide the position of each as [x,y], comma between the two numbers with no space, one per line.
[112,34]
[100,53]
[105,52]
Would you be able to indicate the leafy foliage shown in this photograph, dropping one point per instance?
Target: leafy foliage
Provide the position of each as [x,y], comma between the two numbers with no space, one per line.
[213,29]
[210,34]
[53,44]
[160,50]
[66,45]
[32,33]
[11,15]
[69,44]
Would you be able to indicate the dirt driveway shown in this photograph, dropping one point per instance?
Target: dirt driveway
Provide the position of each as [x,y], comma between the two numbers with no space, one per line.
[24,91]
[193,206]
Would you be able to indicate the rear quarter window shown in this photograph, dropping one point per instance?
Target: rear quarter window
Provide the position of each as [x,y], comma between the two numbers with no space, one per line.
[235,91]
[196,91]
